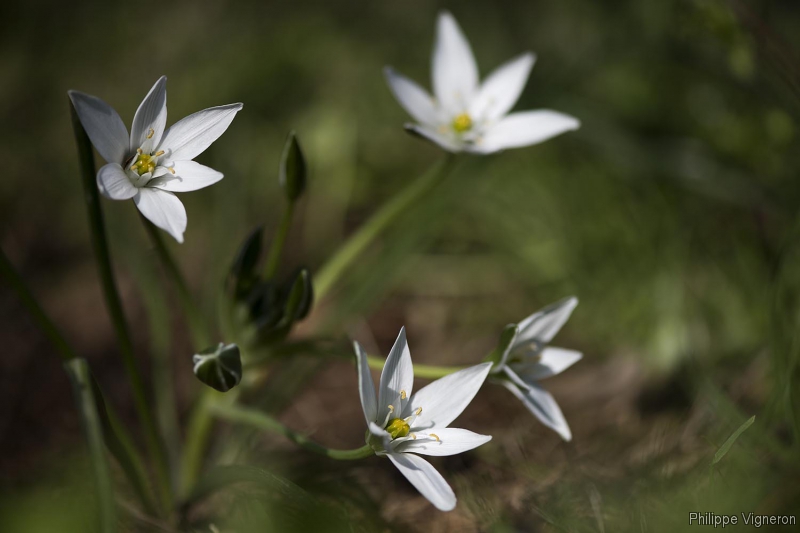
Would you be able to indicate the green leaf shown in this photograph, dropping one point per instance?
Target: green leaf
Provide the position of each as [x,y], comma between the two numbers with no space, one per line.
[506,338]
[299,297]
[220,477]
[219,367]
[292,173]
[728,443]
[78,371]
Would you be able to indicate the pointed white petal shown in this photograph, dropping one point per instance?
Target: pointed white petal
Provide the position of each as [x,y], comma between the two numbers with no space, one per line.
[366,389]
[524,129]
[543,325]
[397,376]
[114,183]
[501,90]
[425,479]
[542,404]
[454,71]
[190,136]
[430,135]
[552,361]
[451,441]
[103,126]
[444,399]
[163,209]
[189,176]
[150,118]
[411,96]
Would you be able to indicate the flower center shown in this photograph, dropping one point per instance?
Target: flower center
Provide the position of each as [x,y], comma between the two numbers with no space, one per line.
[144,163]
[462,123]
[397,428]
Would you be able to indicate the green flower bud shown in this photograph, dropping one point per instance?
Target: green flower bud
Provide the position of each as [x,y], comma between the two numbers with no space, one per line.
[292,172]
[219,367]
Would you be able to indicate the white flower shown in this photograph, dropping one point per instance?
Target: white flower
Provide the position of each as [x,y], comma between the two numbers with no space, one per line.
[468,116]
[153,163]
[402,424]
[528,359]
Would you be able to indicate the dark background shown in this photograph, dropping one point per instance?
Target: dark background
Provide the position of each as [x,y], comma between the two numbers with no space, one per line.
[670,214]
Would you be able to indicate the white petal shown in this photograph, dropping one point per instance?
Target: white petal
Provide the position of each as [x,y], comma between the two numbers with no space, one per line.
[412,97]
[103,126]
[543,325]
[426,133]
[524,129]
[425,479]
[397,376]
[444,399]
[501,90]
[455,74]
[366,389]
[542,404]
[189,176]
[114,183]
[163,209]
[151,115]
[552,361]
[190,136]
[451,441]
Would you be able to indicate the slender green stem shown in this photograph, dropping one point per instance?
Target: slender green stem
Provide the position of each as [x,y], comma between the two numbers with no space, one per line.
[198,327]
[78,371]
[420,371]
[28,300]
[260,420]
[333,269]
[117,439]
[275,250]
[114,304]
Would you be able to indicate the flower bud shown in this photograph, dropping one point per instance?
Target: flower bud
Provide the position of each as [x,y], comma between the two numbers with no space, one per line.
[219,367]
[292,173]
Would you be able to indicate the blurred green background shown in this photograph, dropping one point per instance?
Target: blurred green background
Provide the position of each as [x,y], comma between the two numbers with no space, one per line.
[671,214]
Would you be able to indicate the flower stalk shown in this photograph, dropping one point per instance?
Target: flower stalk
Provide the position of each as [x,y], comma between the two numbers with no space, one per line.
[337,265]
[259,420]
[114,305]
[276,248]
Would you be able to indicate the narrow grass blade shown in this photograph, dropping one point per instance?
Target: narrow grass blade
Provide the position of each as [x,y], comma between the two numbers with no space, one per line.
[728,443]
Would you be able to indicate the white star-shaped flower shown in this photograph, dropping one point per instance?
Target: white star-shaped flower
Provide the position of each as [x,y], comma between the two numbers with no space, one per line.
[402,424]
[528,359]
[465,115]
[153,162]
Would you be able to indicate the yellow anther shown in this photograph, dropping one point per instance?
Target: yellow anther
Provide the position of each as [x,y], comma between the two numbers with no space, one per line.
[151,133]
[403,395]
[397,428]
[391,408]
[139,151]
[418,411]
[413,436]
[462,123]
[435,436]
[171,169]
[160,153]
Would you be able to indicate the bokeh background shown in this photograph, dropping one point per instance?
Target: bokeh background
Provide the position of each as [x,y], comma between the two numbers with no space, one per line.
[670,214]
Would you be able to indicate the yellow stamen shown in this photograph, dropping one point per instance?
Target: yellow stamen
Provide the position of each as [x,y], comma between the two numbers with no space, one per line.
[160,153]
[391,408]
[171,169]
[403,395]
[435,436]
[413,436]
[139,151]
[462,123]
[151,133]
[418,411]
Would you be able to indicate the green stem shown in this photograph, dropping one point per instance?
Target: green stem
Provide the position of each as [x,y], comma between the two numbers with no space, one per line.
[420,371]
[117,439]
[262,421]
[29,301]
[114,304]
[275,250]
[333,269]
[196,321]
